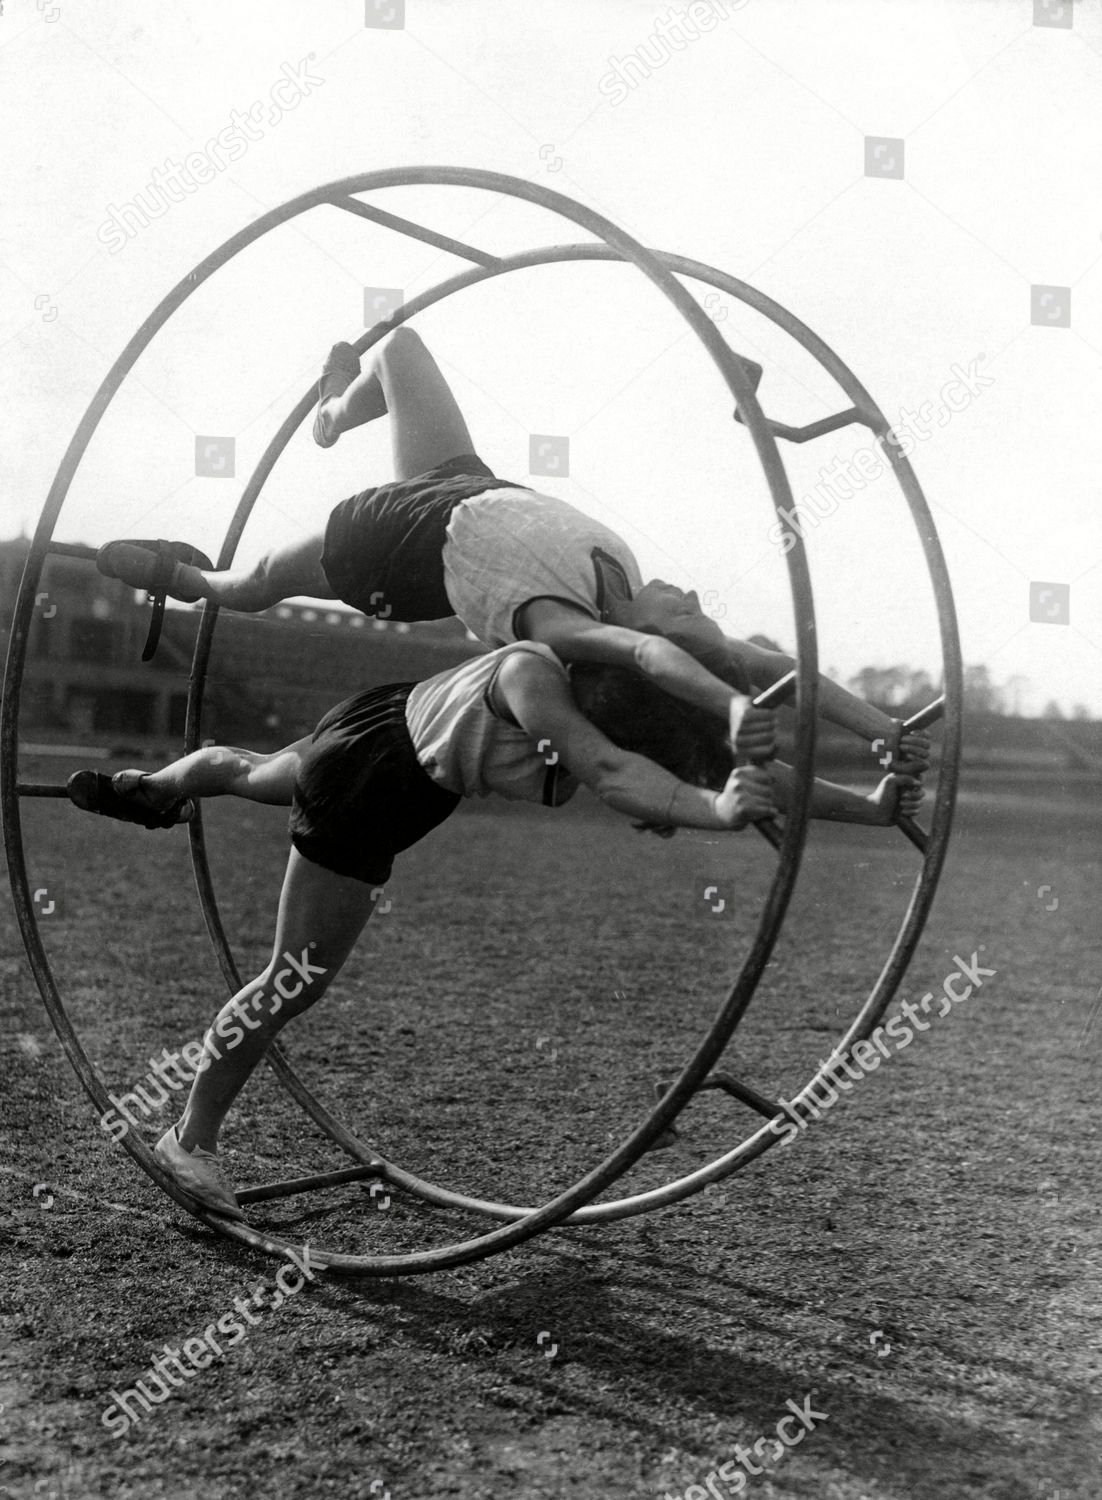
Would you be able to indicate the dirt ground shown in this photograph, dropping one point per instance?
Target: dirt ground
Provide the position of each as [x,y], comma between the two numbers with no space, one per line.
[922,1266]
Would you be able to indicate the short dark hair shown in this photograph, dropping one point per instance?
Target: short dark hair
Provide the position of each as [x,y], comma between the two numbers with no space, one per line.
[640,717]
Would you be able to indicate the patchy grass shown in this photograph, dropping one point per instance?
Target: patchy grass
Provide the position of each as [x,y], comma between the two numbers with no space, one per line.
[498,1030]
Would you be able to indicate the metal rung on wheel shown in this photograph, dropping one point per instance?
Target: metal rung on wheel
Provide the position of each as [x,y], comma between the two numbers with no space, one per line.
[821,427]
[416,231]
[741,1091]
[73,549]
[292,1185]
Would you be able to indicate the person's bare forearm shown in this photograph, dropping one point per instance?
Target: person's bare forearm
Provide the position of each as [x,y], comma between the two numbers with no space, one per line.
[671,668]
[576,638]
[842,707]
[638,788]
[835,703]
[829,801]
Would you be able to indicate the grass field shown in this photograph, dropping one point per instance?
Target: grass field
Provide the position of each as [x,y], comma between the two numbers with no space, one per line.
[923,1264]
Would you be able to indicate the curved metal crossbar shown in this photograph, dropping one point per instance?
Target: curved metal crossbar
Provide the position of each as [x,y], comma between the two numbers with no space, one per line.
[575,1204]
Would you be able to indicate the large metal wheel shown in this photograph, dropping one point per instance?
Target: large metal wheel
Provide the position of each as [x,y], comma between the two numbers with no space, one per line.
[575,1204]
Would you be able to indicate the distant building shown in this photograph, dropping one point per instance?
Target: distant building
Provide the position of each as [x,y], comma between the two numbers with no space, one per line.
[271,675]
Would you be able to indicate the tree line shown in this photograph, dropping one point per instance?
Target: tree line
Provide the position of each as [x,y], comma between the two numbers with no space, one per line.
[902,690]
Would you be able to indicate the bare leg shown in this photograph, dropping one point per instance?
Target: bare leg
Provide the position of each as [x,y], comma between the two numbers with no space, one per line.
[426,429]
[219,771]
[321,915]
[426,426]
[279,574]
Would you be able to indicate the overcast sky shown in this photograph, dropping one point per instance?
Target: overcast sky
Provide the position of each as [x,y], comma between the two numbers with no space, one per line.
[733,133]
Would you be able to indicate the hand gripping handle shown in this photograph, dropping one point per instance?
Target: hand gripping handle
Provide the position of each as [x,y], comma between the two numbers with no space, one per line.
[780,692]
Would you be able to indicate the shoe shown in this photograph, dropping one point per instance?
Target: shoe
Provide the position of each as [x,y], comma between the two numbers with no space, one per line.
[342,365]
[199,1173]
[151,565]
[114,797]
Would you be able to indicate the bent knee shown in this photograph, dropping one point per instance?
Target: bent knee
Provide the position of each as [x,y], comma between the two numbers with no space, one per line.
[404,337]
[404,348]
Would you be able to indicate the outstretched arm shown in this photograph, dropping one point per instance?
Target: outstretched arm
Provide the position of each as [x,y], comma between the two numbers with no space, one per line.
[539,699]
[895,795]
[574,636]
[910,752]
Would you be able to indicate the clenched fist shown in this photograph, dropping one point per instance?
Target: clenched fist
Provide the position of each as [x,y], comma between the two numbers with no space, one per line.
[753,730]
[747,797]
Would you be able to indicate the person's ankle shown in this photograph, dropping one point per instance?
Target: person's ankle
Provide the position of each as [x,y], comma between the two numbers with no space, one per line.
[190,1141]
[156,794]
[187,579]
[145,788]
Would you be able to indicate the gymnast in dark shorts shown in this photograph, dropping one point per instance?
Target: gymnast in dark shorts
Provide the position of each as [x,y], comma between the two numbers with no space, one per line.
[383,550]
[448,537]
[359,773]
[445,537]
[390,764]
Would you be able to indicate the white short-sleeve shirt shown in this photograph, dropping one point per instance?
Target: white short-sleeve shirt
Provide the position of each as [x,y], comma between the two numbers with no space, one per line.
[510,546]
[467,746]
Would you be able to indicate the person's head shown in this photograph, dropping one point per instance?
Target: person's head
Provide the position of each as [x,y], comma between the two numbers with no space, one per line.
[639,717]
[661,608]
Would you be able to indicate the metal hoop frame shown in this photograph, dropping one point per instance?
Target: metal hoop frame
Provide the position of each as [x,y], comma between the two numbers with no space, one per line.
[575,1204]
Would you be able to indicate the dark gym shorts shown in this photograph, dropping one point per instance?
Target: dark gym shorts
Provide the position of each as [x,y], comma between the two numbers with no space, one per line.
[384,549]
[361,795]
